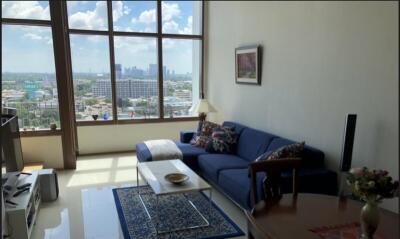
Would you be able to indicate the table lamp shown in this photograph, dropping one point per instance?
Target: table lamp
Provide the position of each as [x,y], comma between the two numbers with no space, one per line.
[202,108]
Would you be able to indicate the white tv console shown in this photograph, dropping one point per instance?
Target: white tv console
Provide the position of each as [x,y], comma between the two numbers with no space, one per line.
[21,217]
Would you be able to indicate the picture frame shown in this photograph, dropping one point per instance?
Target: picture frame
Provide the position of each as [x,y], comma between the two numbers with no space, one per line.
[248,65]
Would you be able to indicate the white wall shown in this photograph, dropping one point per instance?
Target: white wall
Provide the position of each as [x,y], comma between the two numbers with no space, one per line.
[46,149]
[111,138]
[98,139]
[321,61]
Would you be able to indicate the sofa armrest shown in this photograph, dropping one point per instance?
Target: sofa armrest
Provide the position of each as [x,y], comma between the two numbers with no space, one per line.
[187,135]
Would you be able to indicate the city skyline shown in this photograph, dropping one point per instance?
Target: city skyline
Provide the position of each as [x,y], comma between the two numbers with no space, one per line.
[90,54]
[127,71]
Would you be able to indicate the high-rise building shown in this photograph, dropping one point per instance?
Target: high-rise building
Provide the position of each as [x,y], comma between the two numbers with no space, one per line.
[133,72]
[31,87]
[129,88]
[153,70]
[102,88]
[165,71]
[118,71]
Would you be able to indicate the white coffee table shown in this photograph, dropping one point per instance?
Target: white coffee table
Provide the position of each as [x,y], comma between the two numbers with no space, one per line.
[153,173]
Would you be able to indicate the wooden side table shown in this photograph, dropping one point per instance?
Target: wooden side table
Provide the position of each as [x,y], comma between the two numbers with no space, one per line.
[297,217]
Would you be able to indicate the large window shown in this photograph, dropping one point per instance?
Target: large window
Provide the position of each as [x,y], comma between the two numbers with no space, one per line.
[91,76]
[136,84]
[28,70]
[135,60]
[181,58]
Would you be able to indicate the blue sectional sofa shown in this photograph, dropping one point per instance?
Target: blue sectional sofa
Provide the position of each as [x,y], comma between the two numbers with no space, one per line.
[229,172]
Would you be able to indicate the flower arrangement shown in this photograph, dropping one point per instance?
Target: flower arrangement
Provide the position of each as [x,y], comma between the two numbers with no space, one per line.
[372,186]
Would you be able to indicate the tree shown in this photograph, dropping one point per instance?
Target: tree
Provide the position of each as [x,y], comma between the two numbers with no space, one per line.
[91,101]
[142,103]
[126,103]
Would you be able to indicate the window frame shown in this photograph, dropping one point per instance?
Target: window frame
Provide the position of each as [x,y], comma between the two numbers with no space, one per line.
[159,36]
[38,23]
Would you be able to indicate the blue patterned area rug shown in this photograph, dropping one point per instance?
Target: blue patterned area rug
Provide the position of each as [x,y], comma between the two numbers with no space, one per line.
[174,210]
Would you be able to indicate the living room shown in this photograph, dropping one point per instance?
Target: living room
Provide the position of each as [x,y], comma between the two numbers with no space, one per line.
[101,89]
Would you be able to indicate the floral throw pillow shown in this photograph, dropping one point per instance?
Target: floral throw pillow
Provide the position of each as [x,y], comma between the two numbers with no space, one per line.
[223,140]
[287,151]
[206,131]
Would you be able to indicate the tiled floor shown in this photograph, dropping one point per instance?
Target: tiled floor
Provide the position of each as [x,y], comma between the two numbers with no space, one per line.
[85,207]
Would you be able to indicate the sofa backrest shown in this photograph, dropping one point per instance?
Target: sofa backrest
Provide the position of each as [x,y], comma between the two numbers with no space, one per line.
[311,157]
[252,143]
[238,128]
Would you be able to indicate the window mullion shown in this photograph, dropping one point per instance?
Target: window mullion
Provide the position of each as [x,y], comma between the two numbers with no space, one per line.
[112,61]
[160,62]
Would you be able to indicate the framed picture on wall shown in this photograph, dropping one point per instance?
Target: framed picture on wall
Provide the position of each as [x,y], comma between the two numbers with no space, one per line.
[248,65]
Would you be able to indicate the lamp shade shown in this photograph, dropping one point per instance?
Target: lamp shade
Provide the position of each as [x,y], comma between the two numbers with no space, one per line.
[203,107]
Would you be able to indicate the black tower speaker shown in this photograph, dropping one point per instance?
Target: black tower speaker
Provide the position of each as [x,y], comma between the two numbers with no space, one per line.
[348,140]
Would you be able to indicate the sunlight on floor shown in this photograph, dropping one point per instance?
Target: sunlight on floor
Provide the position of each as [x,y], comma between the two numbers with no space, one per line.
[89,178]
[73,213]
[128,161]
[125,175]
[90,164]
[92,170]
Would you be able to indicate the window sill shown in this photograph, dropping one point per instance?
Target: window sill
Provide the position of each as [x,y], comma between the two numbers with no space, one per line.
[135,121]
[38,133]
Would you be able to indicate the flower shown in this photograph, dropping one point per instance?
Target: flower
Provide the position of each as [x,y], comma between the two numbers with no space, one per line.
[356,171]
[372,185]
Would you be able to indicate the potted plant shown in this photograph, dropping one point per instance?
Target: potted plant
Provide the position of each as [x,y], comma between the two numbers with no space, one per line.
[53,126]
[371,186]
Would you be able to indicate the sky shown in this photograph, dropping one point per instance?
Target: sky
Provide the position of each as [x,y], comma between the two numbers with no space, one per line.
[29,49]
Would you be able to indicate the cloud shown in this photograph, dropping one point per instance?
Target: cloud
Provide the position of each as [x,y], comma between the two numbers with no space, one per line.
[171,27]
[32,36]
[169,11]
[24,10]
[119,10]
[35,34]
[188,29]
[96,19]
[168,43]
[148,16]
[135,44]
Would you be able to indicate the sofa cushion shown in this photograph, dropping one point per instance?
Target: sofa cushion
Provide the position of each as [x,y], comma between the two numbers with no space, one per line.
[314,180]
[311,157]
[236,184]
[212,164]
[190,154]
[187,135]
[252,143]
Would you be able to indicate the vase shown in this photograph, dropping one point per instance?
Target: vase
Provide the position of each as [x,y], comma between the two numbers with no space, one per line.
[369,220]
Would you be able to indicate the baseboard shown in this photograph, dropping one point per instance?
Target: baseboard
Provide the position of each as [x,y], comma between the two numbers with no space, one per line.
[105,153]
